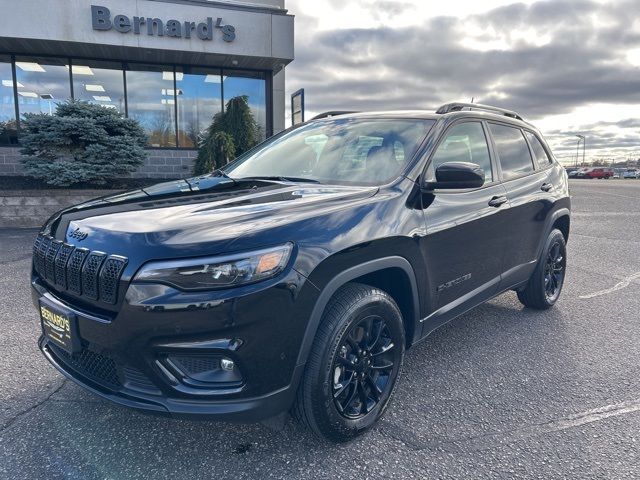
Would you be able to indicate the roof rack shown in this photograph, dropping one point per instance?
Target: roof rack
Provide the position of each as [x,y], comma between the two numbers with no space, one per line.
[458,106]
[332,113]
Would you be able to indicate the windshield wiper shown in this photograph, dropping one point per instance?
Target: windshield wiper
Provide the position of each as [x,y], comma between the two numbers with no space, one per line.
[221,173]
[282,179]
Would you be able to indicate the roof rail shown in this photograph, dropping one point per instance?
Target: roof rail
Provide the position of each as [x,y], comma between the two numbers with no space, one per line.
[458,106]
[332,113]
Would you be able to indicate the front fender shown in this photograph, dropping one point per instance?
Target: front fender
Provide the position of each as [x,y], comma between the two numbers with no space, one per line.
[347,276]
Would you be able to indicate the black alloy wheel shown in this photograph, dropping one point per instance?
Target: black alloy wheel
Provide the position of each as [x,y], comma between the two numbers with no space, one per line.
[554,271]
[362,367]
[545,285]
[354,364]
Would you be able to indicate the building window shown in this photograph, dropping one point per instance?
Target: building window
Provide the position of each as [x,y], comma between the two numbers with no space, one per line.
[98,82]
[42,82]
[174,105]
[151,100]
[8,131]
[199,96]
[253,86]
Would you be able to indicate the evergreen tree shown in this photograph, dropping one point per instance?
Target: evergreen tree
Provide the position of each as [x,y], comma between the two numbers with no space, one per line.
[216,149]
[240,124]
[8,132]
[81,142]
[230,134]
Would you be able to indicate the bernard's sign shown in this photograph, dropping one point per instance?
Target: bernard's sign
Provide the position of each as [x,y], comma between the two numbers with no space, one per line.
[101,20]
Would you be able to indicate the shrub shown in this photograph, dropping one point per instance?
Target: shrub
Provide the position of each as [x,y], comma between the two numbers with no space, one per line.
[231,133]
[81,142]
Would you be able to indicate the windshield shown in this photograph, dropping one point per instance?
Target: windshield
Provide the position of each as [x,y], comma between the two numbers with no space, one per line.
[343,151]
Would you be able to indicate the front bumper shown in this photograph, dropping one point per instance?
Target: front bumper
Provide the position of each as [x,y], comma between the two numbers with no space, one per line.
[252,409]
[125,358]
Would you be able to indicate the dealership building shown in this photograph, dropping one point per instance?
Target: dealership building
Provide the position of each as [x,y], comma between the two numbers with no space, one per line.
[170,64]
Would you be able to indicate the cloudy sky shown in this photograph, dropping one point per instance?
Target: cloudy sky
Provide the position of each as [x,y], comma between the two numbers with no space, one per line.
[568,66]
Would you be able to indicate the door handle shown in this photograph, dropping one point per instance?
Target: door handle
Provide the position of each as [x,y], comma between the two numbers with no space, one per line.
[497,201]
[546,187]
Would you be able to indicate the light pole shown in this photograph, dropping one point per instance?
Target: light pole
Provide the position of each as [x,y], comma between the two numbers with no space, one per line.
[581,138]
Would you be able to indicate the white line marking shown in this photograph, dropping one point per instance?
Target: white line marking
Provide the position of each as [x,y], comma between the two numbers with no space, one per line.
[605,214]
[571,421]
[594,415]
[615,195]
[624,283]
[499,439]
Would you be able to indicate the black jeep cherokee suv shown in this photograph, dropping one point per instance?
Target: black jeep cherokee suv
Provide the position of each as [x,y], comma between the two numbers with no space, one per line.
[296,277]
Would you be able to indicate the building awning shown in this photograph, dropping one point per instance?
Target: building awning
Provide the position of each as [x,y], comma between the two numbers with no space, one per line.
[177,32]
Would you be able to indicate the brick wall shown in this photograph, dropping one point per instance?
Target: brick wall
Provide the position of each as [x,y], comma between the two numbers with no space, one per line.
[159,163]
[10,161]
[167,164]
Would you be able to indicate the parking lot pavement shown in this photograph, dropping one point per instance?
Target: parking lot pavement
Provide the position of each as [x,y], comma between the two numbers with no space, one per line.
[501,392]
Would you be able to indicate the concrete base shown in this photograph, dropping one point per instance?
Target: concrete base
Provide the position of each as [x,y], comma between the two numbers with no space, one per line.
[31,208]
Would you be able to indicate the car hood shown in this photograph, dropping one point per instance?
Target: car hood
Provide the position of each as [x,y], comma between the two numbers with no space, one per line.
[196,216]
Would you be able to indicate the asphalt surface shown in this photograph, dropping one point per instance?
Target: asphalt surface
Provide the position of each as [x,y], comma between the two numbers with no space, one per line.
[501,392]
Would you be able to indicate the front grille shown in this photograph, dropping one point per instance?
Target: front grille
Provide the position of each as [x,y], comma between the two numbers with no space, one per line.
[95,366]
[49,260]
[109,277]
[41,252]
[74,270]
[94,275]
[90,274]
[61,264]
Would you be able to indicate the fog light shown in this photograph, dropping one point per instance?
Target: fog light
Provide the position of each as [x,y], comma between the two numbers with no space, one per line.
[227,364]
[203,370]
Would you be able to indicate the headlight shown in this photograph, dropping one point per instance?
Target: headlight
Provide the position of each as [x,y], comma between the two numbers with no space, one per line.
[218,272]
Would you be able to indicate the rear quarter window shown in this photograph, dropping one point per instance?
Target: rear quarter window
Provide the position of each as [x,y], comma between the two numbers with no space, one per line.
[539,153]
[513,151]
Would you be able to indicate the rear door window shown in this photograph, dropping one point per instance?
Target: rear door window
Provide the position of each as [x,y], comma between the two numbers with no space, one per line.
[539,153]
[513,151]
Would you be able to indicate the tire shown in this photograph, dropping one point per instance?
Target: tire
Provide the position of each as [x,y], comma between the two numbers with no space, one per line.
[330,401]
[545,285]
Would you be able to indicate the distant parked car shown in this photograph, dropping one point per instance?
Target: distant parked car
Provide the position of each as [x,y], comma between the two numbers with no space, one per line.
[571,171]
[596,172]
[631,173]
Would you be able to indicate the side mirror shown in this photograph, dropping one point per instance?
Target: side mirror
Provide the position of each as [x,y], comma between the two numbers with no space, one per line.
[457,175]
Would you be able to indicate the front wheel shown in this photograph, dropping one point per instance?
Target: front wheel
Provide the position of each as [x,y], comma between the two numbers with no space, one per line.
[355,361]
[544,287]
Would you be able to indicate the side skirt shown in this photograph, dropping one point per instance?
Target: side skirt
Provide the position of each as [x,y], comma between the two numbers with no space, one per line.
[513,279]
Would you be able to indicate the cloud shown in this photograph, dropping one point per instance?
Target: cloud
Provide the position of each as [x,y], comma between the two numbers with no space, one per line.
[543,59]
[388,9]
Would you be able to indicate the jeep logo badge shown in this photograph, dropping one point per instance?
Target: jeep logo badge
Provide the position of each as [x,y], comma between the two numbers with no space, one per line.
[78,234]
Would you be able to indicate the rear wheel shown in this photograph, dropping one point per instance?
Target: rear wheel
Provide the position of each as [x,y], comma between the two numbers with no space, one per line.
[354,364]
[544,287]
